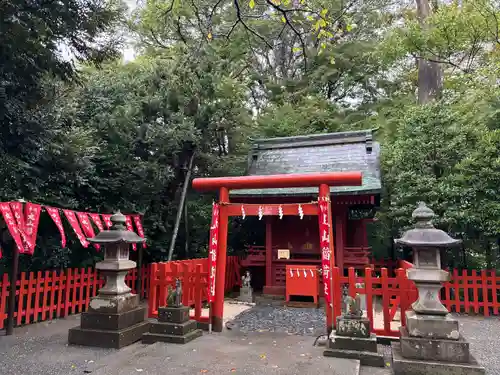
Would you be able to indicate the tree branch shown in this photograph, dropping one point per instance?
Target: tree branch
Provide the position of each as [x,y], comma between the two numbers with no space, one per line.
[250,30]
[284,13]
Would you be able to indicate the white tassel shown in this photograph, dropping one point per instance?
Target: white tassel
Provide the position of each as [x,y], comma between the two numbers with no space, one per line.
[280,212]
[312,273]
[305,273]
[301,212]
[243,214]
[298,273]
[261,213]
[291,272]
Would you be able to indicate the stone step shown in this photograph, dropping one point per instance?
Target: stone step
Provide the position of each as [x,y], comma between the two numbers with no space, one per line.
[151,338]
[106,338]
[368,370]
[405,366]
[179,329]
[365,358]
[367,344]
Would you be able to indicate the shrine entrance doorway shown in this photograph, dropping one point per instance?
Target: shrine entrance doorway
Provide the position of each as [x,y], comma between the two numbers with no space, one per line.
[322,207]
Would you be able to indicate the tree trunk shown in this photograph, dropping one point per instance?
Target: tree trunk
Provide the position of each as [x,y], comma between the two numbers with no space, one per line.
[488,255]
[430,82]
[186,231]
[180,209]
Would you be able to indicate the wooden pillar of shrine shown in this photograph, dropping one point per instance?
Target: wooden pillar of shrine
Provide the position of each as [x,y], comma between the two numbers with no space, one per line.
[218,305]
[269,253]
[340,235]
[324,192]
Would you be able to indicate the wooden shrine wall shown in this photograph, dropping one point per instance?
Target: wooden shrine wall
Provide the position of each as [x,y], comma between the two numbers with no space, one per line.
[356,234]
[300,236]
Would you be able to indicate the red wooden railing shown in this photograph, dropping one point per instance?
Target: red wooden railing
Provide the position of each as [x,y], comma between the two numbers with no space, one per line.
[466,292]
[194,276]
[54,294]
[48,295]
[395,302]
[256,256]
[357,257]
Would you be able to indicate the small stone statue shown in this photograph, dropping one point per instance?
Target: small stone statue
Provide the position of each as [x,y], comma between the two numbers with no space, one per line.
[246,288]
[351,306]
[174,298]
[245,279]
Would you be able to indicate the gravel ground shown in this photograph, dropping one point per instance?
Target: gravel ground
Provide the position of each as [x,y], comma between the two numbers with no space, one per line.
[42,349]
[298,321]
[483,335]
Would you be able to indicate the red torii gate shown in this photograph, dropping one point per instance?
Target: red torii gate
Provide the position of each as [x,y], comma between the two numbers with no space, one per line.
[224,184]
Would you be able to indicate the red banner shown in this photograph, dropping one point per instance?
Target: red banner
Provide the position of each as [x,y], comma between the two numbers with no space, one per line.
[12,226]
[324,232]
[128,223]
[70,215]
[17,211]
[87,227]
[138,225]
[97,221]
[32,218]
[212,252]
[54,214]
[107,220]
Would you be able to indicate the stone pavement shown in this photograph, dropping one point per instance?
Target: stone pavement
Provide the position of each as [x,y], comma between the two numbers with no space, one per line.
[254,354]
[41,349]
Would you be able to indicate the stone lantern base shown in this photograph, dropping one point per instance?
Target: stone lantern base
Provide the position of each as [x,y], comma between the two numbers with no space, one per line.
[409,366]
[447,353]
[105,328]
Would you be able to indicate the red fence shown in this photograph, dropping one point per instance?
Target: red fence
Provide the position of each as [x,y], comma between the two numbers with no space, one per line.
[466,292]
[194,276]
[48,295]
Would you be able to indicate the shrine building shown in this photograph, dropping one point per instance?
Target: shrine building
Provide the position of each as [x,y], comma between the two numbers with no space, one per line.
[292,239]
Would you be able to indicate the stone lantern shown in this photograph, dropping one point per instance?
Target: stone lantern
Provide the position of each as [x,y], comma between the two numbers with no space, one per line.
[114,318]
[431,342]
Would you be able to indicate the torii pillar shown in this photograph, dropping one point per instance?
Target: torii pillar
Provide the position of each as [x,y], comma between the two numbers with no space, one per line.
[225,184]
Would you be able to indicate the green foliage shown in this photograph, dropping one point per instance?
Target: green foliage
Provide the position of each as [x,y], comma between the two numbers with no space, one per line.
[449,159]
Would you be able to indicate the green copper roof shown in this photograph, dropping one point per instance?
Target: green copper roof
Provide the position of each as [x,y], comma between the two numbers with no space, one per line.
[332,152]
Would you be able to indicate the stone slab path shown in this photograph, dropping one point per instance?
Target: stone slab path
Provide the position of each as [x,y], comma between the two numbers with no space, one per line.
[41,349]
[254,354]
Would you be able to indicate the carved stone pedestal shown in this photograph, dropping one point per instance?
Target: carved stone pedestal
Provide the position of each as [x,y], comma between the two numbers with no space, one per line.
[114,320]
[424,355]
[353,340]
[173,326]
[246,294]
[110,330]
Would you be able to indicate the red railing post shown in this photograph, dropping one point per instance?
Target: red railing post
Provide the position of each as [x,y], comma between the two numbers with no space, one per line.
[495,288]
[3,299]
[369,295]
[198,288]
[385,300]
[20,304]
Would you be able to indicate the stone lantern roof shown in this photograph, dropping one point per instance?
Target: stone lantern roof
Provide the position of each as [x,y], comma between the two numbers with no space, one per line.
[118,233]
[425,234]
